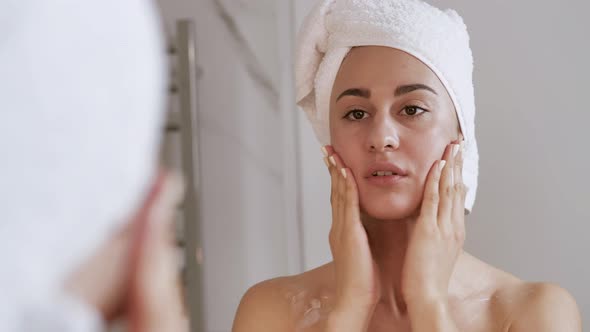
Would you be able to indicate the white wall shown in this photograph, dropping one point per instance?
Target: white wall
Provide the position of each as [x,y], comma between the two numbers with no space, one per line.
[532,76]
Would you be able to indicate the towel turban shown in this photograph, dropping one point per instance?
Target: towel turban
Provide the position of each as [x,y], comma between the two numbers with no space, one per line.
[437,38]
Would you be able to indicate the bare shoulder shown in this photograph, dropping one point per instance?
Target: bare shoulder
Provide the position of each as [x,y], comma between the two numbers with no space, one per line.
[263,307]
[274,304]
[516,305]
[541,307]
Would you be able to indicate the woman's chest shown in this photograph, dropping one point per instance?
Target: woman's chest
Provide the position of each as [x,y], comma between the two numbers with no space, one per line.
[472,316]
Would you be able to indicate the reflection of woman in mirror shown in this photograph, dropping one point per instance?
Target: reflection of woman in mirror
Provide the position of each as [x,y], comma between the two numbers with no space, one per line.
[387,86]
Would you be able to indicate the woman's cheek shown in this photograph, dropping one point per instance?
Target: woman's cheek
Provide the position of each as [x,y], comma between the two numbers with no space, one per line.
[422,163]
[425,158]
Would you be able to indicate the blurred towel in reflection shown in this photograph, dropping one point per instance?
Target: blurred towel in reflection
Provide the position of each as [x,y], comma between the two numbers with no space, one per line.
[81,100]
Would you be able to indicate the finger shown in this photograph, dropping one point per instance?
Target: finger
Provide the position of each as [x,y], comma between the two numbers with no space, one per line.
[337,161]
[340,189]
[336,194]
[325,150]
[326,154]
[335,172]
[330,169]
[446,189]
[337,165]
[458,171]
[352,201]
[333,180]
[429,207]
[328,150]
[334,184]
[458,215]
[348,203]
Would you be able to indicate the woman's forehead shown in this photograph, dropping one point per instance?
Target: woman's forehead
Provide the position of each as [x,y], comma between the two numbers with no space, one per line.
[372,66]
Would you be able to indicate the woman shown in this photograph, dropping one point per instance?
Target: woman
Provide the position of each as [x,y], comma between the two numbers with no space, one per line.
[388,84]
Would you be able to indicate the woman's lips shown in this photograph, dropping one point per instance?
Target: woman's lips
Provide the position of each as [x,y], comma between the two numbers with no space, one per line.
[385,180]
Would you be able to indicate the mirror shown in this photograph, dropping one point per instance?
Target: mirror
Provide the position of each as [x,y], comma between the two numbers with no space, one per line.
[264,191]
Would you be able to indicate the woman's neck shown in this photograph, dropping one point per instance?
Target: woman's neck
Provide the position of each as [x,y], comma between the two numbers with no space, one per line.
[388,240]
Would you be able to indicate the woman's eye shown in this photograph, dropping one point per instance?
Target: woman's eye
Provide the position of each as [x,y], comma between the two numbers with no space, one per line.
[413,110]
[356,115]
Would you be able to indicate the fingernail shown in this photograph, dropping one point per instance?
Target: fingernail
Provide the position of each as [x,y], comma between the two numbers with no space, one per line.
[326,162]
[332,161]
[324,151]
[441,164]
[343,171]
[455,150]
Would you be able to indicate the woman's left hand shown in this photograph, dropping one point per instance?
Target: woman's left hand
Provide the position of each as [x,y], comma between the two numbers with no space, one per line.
[437,237]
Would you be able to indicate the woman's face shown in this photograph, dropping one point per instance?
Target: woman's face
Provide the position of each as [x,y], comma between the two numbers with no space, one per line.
[389,112]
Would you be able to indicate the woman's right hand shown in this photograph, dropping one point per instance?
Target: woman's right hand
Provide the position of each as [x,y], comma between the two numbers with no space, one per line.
[356,278]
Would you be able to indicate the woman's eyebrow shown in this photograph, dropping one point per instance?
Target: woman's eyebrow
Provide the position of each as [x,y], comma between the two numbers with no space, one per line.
[358,92]
[402,89]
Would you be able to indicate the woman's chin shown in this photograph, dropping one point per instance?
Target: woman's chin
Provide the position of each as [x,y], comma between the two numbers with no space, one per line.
[389,208]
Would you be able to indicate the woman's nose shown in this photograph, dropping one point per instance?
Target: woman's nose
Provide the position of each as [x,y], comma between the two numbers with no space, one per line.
[383,137]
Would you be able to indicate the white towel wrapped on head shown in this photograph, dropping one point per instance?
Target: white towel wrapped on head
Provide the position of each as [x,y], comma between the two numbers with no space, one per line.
[437,38]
